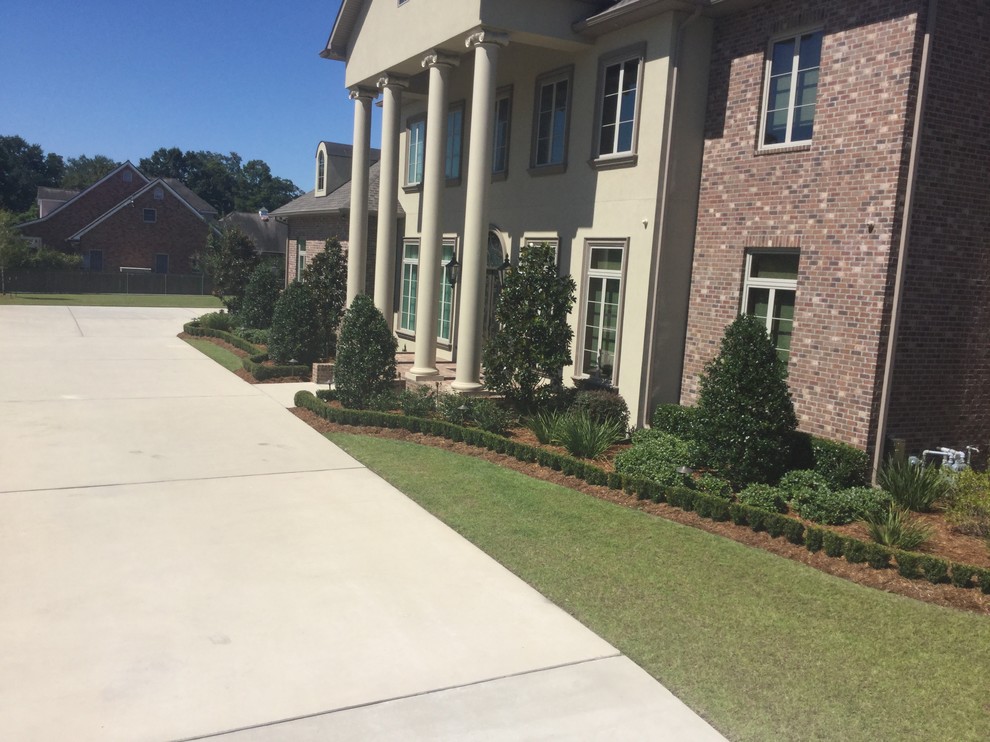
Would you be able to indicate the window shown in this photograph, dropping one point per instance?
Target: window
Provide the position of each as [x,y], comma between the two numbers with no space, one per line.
[768,294]
[455,127]
[603,292]
[127,176]
[321,171]
[161,263]
[159,194]
[415,148]
[410,287]
[95,261]
[300,258]
[150,216]
[551,240]
[550,128]
[410,282]
[618,105]
[791,90]
[500,141]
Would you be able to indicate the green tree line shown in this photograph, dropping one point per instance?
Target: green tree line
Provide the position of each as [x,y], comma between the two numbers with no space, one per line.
[224,181]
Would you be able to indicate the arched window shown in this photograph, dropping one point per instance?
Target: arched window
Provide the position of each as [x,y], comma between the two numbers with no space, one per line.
[321,171]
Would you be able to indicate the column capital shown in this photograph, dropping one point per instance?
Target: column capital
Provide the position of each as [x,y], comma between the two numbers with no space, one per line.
[388,80]
[357,92]
[485,36]
[437,58]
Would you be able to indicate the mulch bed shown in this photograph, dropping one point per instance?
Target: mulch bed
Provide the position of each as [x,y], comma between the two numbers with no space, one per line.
[243,372]
[887,580]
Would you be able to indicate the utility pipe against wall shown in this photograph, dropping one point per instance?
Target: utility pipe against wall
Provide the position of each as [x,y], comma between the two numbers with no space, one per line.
[895,312]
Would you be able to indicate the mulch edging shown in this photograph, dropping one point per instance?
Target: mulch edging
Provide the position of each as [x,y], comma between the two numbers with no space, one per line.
[887,580]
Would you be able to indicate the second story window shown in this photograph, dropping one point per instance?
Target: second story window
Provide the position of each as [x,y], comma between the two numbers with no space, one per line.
[553,93]
[415,149]
[618,106]
[150,216]
[321,171]
[791,90]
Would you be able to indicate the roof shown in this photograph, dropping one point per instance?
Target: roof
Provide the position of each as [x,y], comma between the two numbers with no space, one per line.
[56,194]
[335,202]
[267,236]
[190,197]
[77,194]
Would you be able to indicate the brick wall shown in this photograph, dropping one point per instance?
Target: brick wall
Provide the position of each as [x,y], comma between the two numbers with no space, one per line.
[127,240]
[88,206]
[315,230]
[817,200]
[941,379]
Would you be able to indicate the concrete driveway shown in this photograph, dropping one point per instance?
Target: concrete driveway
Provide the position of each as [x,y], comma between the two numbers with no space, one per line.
[180,558]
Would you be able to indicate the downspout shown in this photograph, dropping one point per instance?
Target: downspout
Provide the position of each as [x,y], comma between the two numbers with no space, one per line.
[659,220]
[895,314]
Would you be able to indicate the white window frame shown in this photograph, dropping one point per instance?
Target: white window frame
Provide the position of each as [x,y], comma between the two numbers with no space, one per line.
[321,173]
[795,36]
[590,275]
[550,164]
[300,259]
[613,155]
[409,276]
[553,240]
[773,285]
[503,101]
[415,151]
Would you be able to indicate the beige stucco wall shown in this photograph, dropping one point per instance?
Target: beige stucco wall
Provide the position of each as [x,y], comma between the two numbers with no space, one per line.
[583,204]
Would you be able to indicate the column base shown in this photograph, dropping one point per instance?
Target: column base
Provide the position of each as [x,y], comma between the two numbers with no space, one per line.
[467,387]
[423,374]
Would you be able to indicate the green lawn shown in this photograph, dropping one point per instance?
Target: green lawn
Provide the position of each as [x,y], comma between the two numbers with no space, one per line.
[113,300]
[762,647]
[224,357]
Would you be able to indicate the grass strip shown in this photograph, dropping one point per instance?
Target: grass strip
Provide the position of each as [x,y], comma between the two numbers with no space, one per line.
[112,300]
[224,357]
[763,647]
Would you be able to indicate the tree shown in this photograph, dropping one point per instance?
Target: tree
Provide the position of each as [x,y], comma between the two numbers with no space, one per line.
[82,172]
[745,419]
[294,327]
[258,188]
[24,167]
[326,274]
[13,248]
[365,366]
[229,258]
[260,295]
[534,339]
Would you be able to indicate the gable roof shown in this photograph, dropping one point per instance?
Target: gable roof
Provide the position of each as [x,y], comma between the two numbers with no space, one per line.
[79,194]
[56,194]
[190,197]
[267,236]
[130,199]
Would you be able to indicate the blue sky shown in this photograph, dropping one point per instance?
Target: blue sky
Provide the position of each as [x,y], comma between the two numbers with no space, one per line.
[122,78]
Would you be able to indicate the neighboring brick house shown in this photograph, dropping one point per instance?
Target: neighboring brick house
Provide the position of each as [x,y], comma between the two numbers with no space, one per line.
[267,234]
[125,220]
[324,212]
[745,156]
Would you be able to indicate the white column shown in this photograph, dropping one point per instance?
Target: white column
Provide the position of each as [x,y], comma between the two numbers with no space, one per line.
[431,235]
[479,173]
[388,191]
[357,235]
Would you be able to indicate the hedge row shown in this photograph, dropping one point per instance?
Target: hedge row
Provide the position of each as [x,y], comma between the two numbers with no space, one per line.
[254,362]
[909,564]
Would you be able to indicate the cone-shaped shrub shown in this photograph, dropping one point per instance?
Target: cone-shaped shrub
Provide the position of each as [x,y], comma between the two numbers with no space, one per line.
[295,327]
[326,274]
[365,355]
[258,305]
[745,419]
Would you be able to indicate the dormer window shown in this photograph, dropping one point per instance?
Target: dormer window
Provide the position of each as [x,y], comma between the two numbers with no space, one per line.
[321,171]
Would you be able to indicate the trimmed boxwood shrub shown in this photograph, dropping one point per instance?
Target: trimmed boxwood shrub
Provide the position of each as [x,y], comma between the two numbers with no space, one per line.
[295,326]
[656,455]
[962,575]
[935,570]
[854,551]
[764,497]
[365,354]
[833,544]
[674,419]
[908,564]
[877,556]
[814,539]
[602,406]
[983,579]
[840,464]
[745,419]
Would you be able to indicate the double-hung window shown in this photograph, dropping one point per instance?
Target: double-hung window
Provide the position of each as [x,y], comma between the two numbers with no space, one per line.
[791,90]
[618,104]
[415,151]
[553,95]
[500,140]
[769,292]
[410,290]
[300,258]
[603,299]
